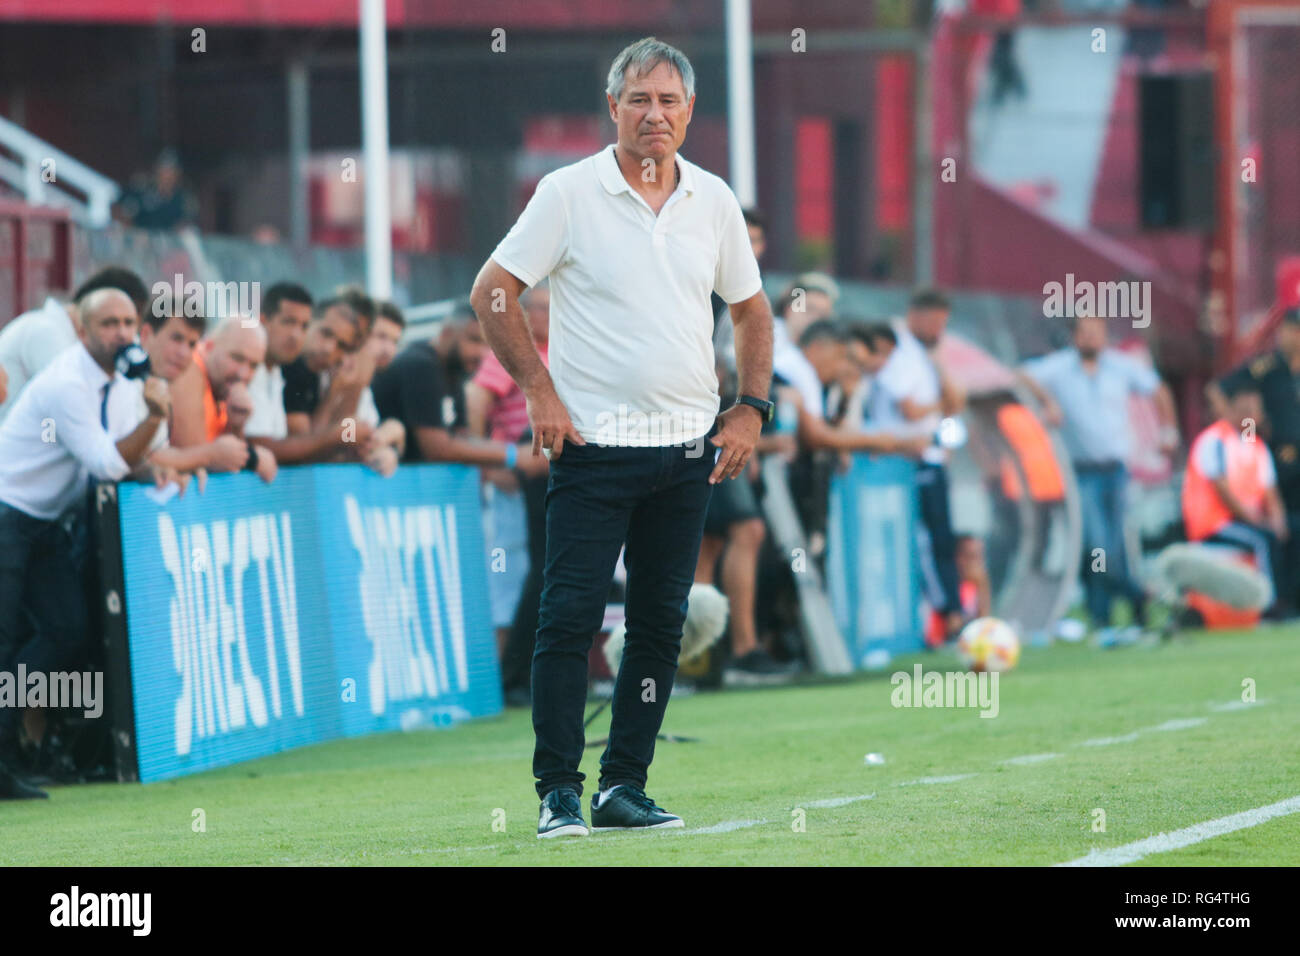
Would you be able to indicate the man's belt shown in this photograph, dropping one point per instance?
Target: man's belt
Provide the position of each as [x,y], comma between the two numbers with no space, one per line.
[1095,467]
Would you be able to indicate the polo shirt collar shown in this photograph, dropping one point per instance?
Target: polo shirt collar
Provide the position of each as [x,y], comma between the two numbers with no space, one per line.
[611,177]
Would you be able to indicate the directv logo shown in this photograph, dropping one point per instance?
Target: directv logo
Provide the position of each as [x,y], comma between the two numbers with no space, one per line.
[404,551]
[208,564]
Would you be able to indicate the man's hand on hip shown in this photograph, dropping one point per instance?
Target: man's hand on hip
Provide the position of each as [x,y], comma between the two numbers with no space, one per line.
[738,429]
[551,423]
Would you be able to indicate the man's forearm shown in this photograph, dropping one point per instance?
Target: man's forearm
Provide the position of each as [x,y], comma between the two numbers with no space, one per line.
[508,334]
[1040,394]
[1233,503]
[132,448]
[816,434]
[182,459]
[1165,406]
[438,444]
[339,404]
[914,411]
[752,321]
[297,449]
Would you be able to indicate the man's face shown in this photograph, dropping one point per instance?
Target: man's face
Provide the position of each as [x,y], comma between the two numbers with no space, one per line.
[232,358]
[652,114]
[110,323]
[1288,338]
[470,345]
[829,358]
[927,325]
[867,361]
[285,331]
[757,240]
[383,341]
[168,177]
[816,305]
[1245,406]
[538,307]
[1090,336]
[327,339]
[171,348]
[881,350]
[970,557]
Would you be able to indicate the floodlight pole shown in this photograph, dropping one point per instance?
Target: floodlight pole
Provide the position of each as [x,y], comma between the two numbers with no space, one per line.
[374,144]
[740,101]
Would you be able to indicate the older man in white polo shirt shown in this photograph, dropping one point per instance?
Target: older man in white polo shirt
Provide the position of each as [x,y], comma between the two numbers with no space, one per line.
[635,239]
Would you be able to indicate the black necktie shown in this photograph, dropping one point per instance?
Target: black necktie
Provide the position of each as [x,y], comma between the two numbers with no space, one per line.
[103,406]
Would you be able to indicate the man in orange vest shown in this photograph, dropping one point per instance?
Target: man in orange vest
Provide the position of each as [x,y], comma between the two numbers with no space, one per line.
[1230,491]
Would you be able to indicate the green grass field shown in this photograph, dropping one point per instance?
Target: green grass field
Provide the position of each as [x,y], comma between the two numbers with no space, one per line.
[765,760]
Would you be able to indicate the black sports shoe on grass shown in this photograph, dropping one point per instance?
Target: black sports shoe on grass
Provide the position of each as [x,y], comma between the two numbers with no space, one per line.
[758,669]
[561,815]
[628,808]
[14,787]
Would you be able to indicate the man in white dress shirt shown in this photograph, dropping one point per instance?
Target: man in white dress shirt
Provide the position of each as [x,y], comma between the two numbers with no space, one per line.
[919,395]
[76,420]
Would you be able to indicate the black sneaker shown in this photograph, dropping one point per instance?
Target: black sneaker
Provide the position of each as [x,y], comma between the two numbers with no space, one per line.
[561,815]
[758,669]
[628,808]
[14,787]
[519,697]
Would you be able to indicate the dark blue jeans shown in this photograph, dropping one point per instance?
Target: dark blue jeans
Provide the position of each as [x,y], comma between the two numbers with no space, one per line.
[598,499]
[1102,500]
[936,543]
[42,606]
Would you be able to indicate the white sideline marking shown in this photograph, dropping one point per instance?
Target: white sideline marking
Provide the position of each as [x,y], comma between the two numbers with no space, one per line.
[1180,723]
[1029,758]
[837,801]
[1164,842]
[726,826]
[1107,741]
[1236,705]
[951,778]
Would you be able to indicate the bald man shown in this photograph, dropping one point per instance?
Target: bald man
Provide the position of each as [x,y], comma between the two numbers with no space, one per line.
[77,417]
[211,401]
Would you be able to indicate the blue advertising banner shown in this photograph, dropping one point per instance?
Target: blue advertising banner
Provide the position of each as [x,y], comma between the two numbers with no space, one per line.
[330,603]
[872,570]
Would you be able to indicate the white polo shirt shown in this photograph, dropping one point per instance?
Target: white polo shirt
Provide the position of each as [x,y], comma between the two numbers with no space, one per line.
[267,389]
[791,364]
[631,341]
[52,440]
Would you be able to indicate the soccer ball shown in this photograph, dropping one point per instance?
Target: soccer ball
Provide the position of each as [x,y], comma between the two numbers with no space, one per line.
[987,644]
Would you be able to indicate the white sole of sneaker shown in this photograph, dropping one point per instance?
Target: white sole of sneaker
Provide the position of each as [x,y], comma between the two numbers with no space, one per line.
[743,679]
[571,830]
[669,825]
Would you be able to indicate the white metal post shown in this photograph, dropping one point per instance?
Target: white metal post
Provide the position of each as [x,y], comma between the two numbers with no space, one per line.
[740,101]
[374,142]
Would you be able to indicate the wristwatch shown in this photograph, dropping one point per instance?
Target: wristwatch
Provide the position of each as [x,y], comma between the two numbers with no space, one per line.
[765,408]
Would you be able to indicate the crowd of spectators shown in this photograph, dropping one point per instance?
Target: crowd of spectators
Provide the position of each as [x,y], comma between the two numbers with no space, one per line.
[111,384]
[108,385]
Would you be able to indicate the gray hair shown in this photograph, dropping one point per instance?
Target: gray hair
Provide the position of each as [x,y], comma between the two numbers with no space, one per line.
[642,57]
